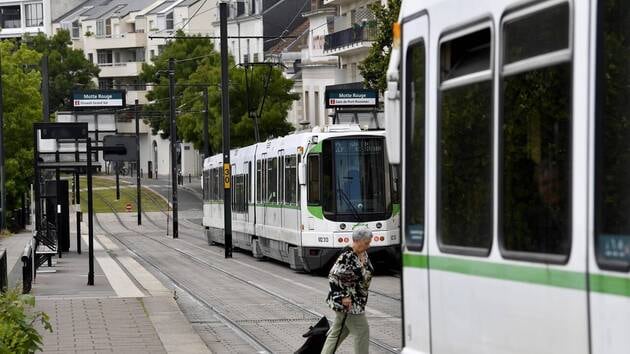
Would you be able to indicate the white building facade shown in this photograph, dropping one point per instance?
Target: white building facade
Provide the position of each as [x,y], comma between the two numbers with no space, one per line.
[18,18]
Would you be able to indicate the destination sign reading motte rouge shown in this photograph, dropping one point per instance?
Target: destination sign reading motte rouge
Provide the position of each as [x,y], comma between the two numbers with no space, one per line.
[98,98]
[351,98]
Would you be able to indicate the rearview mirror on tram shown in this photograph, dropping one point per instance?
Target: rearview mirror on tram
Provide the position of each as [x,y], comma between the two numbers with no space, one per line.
[302,173]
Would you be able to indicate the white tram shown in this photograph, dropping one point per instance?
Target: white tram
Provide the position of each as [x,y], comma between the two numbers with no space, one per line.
[511,120]
[297,198]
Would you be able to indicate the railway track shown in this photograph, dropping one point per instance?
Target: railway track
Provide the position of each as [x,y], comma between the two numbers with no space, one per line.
[195,231]
[239,330]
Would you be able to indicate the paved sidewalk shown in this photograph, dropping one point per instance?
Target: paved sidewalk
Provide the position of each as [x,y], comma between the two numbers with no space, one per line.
[128,310]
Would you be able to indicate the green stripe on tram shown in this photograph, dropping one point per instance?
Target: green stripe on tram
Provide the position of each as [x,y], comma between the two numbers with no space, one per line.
[535,275]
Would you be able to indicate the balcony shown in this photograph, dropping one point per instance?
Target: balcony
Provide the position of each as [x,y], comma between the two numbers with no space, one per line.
[132,68]
[123,40]
[349,41]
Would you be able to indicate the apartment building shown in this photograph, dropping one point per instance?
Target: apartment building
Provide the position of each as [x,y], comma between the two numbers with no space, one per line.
[18,18]
[114,34]
[352,32]
[259,18]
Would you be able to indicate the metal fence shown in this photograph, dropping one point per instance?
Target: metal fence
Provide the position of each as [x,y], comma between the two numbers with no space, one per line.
[349,36]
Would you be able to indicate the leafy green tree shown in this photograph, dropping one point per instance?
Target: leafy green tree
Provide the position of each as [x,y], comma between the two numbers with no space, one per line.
[67,67]
[22,107]
[206,70]
[374,66]
[17,323]
[189,54]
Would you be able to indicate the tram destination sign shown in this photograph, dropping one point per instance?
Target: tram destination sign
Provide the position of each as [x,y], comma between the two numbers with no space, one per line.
[98,99]
[336,98]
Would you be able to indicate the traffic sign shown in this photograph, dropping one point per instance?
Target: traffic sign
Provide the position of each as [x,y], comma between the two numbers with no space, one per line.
[128,206]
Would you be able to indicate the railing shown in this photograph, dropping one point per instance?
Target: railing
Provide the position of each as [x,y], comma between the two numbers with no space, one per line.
[4,272]
[349,36]
[27,268]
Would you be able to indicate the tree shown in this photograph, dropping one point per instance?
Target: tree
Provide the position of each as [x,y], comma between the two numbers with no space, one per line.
[189,54]
[67,67]
[204,69]
[22,107]
[374,66]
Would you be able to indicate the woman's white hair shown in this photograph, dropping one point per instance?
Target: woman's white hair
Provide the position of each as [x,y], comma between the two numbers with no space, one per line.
[361,234]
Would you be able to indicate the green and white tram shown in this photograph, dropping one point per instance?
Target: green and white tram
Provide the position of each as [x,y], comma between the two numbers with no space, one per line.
[511,120]
[297,198]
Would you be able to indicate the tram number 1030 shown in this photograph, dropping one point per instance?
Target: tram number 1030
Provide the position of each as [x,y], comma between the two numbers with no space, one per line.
[323,239]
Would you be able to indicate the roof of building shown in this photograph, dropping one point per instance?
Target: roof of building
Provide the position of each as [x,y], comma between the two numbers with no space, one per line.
[101,9]
[292,44]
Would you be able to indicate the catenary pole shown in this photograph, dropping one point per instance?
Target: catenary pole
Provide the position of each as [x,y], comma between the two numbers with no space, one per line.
[138,187]
[3,191]
[225,111]
[173,134]
[206,144]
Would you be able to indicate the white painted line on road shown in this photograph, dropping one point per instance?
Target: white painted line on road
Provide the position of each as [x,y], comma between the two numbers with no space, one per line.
[118,279]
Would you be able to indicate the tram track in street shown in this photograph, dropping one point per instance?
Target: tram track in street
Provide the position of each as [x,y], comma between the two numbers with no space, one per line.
[242,332]
[155,223]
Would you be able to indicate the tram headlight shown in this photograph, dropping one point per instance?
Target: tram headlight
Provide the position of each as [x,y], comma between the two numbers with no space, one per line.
[342,226]
[379,225]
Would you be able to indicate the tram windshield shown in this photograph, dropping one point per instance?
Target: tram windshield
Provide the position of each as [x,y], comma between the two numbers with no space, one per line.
[356,179]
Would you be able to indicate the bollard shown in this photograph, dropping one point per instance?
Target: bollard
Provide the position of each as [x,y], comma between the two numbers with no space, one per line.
[189,178]
[27,268]
[4,272]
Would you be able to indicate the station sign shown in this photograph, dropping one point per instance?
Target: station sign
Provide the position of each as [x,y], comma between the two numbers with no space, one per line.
[336,98]
[98,99]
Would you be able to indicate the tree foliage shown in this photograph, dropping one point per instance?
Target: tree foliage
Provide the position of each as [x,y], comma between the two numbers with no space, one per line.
[21,81]
[374,66]
[201,66]
[67,67]
[17,323]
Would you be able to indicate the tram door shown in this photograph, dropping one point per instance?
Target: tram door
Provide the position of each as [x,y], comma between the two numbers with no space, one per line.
[414,214]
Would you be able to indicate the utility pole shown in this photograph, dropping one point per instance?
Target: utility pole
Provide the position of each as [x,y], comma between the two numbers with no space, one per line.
[3,191]
[45,87]
[90,213]
[138,163]
[225,112]
[173,134]
[206,144]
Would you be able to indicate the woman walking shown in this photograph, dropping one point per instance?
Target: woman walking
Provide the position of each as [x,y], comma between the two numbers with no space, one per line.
[349,281]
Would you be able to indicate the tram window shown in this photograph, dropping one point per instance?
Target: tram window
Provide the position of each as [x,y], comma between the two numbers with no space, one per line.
[280,179]
[465,147]
[258,180]
[535,194]
[551,33]
[414,157]
[612,171]
[465,55]
[290,180]
[272,193]
[313,179]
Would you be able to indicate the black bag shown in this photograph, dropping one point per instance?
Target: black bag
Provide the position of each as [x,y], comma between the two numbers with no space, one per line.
[316,337]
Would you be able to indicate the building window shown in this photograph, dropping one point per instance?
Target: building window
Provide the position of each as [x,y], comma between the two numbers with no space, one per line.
[253,6]
[151,27]
[108,27]
[34,15]
[240,8]
[152,54]
[465,164]
[91,57]
[104,57]
[169,21]
[10,17]
[105,84]
[100,28]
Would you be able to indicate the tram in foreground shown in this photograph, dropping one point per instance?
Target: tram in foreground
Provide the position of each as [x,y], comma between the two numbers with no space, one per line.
[297,198]
[511,122]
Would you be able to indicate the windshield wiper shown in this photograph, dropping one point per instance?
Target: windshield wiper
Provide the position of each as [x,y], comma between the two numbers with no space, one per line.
[349,202]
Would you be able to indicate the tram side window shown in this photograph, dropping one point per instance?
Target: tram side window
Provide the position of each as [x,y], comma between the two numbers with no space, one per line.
[205,185]
[465,145]
[414,157]
[290,180]
[313,179]
[272,180]
[258,180]
[612,190]
[535,194]
[280,179]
